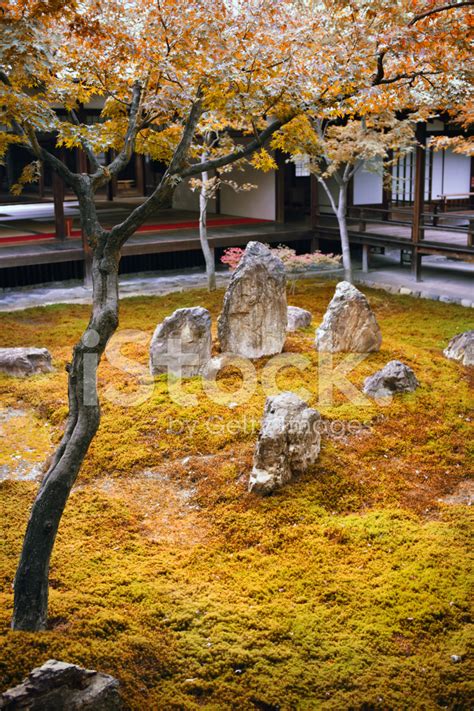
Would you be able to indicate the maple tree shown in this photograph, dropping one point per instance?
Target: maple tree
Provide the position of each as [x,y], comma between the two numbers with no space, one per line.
[334,152]
[160,67]
[215,145]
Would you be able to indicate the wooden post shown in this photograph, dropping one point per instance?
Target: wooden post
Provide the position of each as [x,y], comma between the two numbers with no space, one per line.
[81,161]
[419,200]
[58,198]
[140,174]
[471,189]
[314,212]
[365,258]
[387,189]
[280,188]
[218,198]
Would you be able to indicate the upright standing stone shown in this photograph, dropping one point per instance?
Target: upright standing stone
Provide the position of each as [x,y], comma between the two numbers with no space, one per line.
[254,314]
[289,442]
[461,348]
[58,685]
[21,362]
[181,344]
[349,324]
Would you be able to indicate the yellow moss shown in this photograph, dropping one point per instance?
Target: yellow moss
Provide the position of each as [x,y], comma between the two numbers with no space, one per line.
[347,589]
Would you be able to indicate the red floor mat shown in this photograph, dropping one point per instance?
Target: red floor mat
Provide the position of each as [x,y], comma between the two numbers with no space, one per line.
[190,224]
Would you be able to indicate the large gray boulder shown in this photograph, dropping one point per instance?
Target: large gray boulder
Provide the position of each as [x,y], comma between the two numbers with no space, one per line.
[298,318]
[395,377]
[461,348]
[289,442]
[181,344]
[349,324]
[254,314]
[57,686]
[21,362]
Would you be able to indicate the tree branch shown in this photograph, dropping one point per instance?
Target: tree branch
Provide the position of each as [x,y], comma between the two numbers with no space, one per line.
[122,159]
[442,8]
[239,153]
[87,148]
[121,232]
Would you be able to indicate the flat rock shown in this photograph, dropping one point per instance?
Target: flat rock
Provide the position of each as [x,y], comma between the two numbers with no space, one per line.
[289,442]
[349,324]
[58,686]
[461,348]
[395,377]
[181,344]
[254,313]
[22,362]
[298,318]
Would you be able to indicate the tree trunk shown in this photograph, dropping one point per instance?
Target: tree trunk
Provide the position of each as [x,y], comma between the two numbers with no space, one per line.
[31,581]
[206,250]
[341,215]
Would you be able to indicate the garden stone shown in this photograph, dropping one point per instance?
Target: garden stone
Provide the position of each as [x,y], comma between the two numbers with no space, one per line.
[395,377]
[461,348]
[254,314]
[61,686]
[289,442]
[298,318]
[21,362]
[348,324]
[181,344]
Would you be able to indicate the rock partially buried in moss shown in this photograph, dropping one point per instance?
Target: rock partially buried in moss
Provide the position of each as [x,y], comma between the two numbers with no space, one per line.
[181,344]
[254,313]
[298,318]
[461,348]
[289,442]
[349,324]
[395,377]
[22,362]
[58,685]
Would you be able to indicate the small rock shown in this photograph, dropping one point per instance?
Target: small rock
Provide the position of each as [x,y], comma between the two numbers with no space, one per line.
[395,377]
[298,318]
[430,295]
[405,290]
[456,658]
[289,442]
[348,324]
[181,344]
[461,348]
[446,299]
[466,303]
[22,362]
[58,685]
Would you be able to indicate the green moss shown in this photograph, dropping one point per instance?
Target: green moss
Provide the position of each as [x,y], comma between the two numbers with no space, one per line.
[347,589]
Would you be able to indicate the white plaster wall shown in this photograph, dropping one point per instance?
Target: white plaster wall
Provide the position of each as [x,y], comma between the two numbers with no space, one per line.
[185,199]
[323,199]
[258,202]
[457,173]
[368,187]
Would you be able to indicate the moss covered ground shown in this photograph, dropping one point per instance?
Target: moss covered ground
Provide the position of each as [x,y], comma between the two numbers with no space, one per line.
[348,589]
